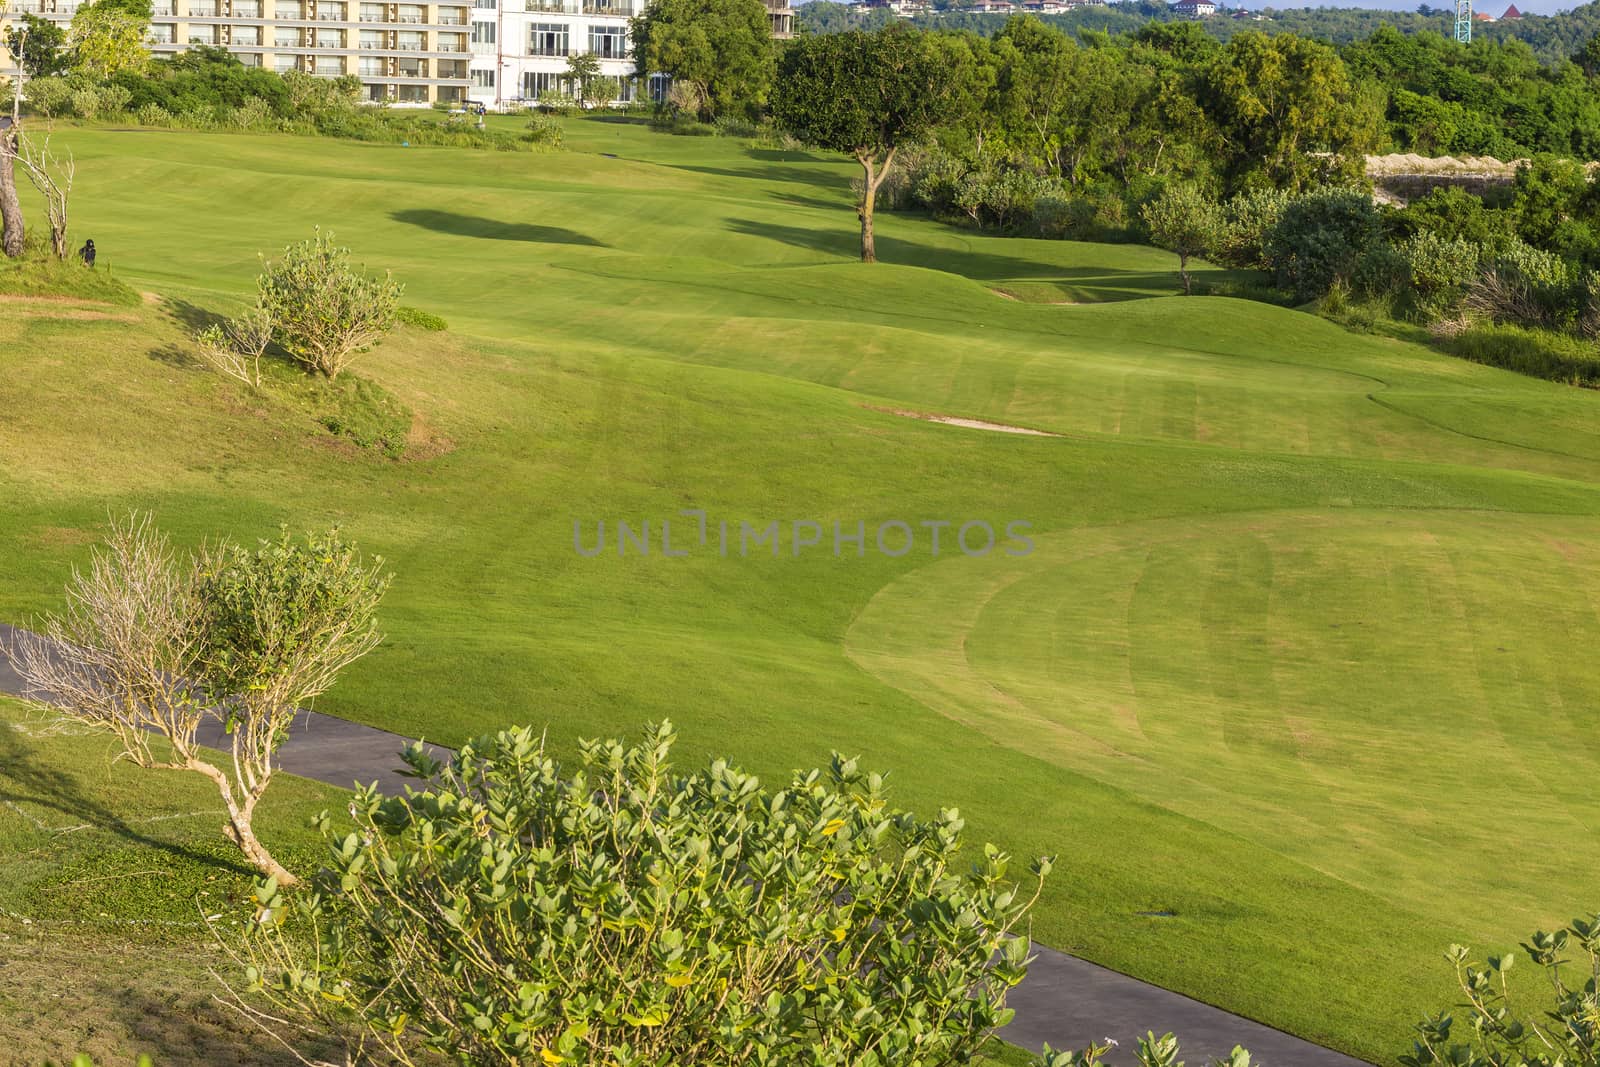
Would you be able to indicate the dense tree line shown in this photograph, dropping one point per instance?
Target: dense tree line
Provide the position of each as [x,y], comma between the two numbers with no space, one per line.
[1499,96]
[1553,38]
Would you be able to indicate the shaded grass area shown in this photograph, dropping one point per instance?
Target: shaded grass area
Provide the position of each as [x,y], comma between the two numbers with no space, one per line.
[707,342]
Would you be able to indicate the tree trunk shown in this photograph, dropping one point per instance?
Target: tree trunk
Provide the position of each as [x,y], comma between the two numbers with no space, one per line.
[869,252]
[11,228]
[874,176]
[238,829]
[1183,272]
[239,832]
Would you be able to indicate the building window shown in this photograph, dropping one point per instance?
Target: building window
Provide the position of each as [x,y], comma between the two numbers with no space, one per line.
[660,85]
[483,36]
[536,83]
[482,79]
[548,39]
[374,13]
[608,42]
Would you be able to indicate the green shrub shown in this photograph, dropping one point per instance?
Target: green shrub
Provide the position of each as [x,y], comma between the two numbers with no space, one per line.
[1493,1027]
[544,131]
[153,115]
[1320,238]
[325,311]
[422,320]
[1251,217]
[50,96]
[1438,270]
[513,910]
[735,126]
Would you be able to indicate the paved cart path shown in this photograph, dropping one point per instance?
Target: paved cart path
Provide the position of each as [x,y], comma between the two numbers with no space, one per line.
[1065,1001]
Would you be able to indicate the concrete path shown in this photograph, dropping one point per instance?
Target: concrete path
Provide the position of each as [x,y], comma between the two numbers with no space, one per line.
[1065,1001]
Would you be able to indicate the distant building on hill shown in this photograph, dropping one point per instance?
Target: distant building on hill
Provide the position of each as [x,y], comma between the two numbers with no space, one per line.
[1195,9]
[1047,7]
[902,8]
[991,7]
[1482,16]
[1511,14]
[494,52]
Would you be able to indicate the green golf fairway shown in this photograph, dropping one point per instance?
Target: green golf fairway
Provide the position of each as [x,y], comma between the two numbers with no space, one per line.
[1302,654]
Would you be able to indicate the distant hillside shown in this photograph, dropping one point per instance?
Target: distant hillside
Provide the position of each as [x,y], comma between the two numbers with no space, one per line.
[1553,38]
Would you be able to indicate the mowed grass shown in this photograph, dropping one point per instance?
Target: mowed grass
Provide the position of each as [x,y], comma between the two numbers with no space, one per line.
[1299,656]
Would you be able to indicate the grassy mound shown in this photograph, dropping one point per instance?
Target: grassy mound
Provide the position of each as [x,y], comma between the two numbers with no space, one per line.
[40,274]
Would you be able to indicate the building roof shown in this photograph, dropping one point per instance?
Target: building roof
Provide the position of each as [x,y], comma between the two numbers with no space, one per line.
[1512,13]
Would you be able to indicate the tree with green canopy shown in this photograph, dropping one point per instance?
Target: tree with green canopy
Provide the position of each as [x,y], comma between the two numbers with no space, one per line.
[867,95]
[723,49]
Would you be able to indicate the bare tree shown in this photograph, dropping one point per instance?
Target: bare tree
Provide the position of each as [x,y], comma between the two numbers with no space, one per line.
[151,645]
[235,347]
[52,177]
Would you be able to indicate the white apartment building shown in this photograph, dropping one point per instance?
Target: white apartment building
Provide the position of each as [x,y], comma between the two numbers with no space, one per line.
[495,52]
[520,48]
[404,54]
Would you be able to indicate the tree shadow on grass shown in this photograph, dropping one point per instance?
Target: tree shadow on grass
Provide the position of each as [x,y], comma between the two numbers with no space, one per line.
[1088,283]
[789,155]
[24,779]
[192,317]
[818,179]
[174,355]
[493,229]
[796,200]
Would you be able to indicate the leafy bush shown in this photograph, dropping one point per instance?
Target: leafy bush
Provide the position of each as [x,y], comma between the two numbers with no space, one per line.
[1320,238]
[324,310]
[153,115]
[544,131]
[619,913]
[1493,1028]
[422,320]
[1250,219]
[1438,270]
[50,96]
